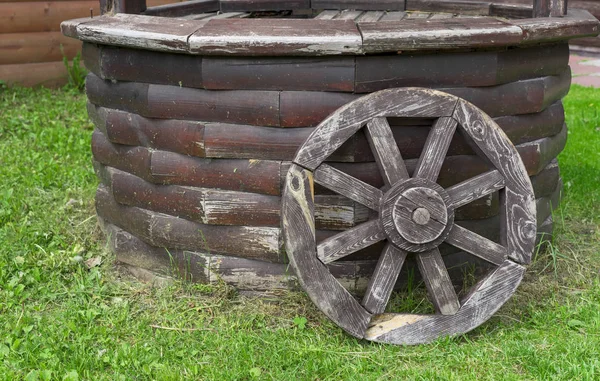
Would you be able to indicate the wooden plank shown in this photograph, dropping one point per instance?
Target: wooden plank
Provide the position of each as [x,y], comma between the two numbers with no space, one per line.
[454,6]
[348,14]
[529,127]
[259,108]
[545,182]
[135,65]
[308,109]
[339,127]
[279,73]
[435,149]
[135,160]
[511,11]
[438,283]
[393,16]
[317,281]
[182,136]
[129,96]
[374,5]
[47,74]
[277,37]
[381,283]
[327,15]
[183,8]
[577,23]
[539,153]
[20,48]
[488,296]
[43,16]
[127,6]
[350,241]
[263,5]
[348,186]
[162,230]
[138,31]
[257,176]
[438,34]
[549,8]
[370,16]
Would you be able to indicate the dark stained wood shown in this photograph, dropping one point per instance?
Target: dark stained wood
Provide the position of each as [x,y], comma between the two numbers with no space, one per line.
[317,281]
[183,8]
[135,160]
[348,186]
[364,5]
[131,96]
[449,34]
[350,241]
[545,182]
[258,176]
[262,5]
[455,6]
[241,106]
[138,31]
[487,297]
[163,230]
[136,65]
[383,279]
[308,109]
[519,202]
[344,123]
[577,23]
[279,73]
[92,55]
[182,136]
[277,37]
[438,283]
[435,149]
[539,153]
[536,61]
[511,11]
[128,6]
[529,127]
[388,157]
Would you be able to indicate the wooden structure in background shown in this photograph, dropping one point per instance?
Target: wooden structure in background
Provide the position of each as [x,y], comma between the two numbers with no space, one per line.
[30,39]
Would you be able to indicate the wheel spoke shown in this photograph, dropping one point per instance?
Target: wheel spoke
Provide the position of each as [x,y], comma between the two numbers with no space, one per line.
[436,278]
[477,245]
[384,278]
[350,241]
[475,188]
[348,186]
[386,152]
[436,147]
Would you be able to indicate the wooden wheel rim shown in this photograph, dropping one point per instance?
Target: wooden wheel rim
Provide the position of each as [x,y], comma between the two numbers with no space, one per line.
[518,227]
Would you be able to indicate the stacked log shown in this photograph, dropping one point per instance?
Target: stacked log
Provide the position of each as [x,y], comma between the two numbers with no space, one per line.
[31,44]
[192,150]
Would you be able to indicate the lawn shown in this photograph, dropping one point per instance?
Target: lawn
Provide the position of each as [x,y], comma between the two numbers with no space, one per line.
[61,321]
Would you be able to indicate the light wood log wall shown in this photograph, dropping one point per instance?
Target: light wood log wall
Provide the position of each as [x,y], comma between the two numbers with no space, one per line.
[30,39]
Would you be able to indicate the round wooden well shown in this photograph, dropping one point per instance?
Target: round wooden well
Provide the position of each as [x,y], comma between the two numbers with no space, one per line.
[200,106]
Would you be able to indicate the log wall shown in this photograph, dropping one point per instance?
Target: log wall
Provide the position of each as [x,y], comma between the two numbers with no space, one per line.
[30,39]
[191,151]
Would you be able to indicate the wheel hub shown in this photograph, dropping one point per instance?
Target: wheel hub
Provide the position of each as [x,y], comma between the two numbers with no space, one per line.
[415,214]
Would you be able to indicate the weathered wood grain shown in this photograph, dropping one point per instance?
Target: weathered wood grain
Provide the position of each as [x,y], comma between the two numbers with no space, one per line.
[277,37]
[340,126]
[257,176]
[477,245]
[386,152]
[138,31]
[435,149]
[130,96]
[438,34]
[135,160]
[183,8]
[373,5]
[163,230]
[385,276]
[350,241]
[436,279]
[518,223]
[348,186]
[279,73]
[511,11]
[549,8]
[529,127]
[467,7]
[475,188]
[577,23]
[488,296]
[317,281]
[136,65]
[37,47]
[262,5]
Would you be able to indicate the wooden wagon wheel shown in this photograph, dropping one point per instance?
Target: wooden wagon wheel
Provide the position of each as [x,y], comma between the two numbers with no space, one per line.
[415,215]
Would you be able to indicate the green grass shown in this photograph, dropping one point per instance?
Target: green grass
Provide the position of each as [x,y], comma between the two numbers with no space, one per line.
[59,320]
